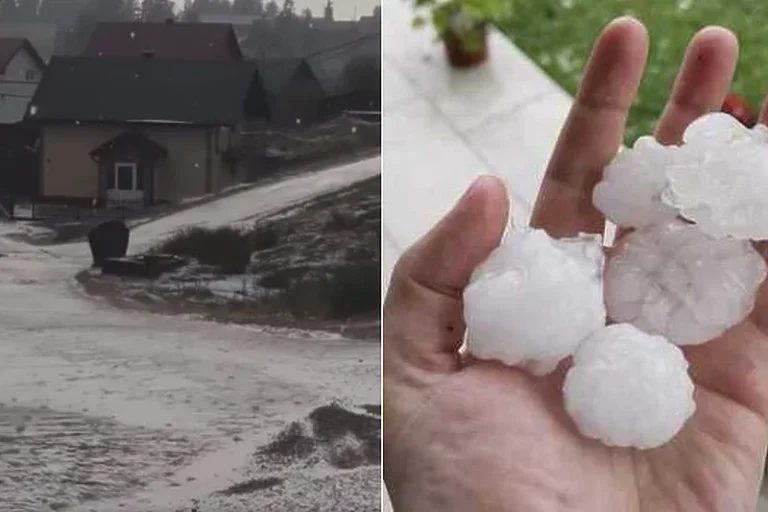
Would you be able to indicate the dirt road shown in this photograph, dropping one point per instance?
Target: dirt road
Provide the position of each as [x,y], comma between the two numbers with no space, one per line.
[104,409]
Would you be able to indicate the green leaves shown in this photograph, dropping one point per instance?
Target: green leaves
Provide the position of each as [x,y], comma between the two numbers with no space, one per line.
[465,19]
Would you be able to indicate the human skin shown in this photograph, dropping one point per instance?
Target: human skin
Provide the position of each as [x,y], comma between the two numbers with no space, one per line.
[468,435]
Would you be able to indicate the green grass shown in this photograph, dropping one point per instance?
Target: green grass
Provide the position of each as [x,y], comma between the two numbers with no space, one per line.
[558,35]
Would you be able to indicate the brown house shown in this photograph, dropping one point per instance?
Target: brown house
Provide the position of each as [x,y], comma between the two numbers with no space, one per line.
[169,40]
[142,131]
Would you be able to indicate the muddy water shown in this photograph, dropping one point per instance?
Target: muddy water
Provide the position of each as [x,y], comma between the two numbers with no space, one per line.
[103,409]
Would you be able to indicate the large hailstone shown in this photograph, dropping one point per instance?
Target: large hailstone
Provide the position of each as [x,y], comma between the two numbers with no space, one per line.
[678,282]
[535,299]
[723,189]
[629,194]
[627,388]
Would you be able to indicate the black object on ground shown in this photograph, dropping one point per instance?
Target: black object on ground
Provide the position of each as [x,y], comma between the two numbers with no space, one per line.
[108,240]
[148,266]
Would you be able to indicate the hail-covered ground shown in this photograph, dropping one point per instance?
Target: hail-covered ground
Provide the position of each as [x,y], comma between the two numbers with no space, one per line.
[104,409]
[683,272]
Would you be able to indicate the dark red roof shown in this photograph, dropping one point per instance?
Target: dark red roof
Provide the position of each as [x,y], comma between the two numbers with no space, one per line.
[10,46]
[179,41]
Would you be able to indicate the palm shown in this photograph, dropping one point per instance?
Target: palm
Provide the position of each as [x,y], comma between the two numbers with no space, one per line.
[512,436]
[480,436]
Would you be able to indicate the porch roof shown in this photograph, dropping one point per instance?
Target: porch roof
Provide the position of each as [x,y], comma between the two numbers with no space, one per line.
[147,147]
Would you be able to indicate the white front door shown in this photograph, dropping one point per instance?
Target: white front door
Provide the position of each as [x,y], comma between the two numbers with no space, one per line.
[124,184]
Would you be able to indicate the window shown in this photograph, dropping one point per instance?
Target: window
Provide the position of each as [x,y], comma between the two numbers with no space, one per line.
[31,75]
[124,178]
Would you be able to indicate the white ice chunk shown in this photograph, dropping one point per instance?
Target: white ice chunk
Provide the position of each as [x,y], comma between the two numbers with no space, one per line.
[723,189]
[534,299]
[630,191]
[627,388]
[678,282]
[715,127]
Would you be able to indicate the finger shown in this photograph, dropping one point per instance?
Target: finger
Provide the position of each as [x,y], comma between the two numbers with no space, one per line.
[702,83]
[762,118]
[423,321]
[593,131]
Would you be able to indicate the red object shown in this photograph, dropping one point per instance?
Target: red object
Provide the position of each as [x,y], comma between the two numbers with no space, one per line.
[737,106]
[461,58]
[164,41]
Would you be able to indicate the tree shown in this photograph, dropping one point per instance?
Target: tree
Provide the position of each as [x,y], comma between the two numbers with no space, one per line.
[289,9]
[306,13]
[211,6]
[247,7]
[64,13]
[188,12]
[9,10]
[271,9]
[155,10]
[108,10]
[27,9]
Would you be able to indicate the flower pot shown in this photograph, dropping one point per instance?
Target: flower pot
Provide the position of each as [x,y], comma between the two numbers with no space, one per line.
[461,57]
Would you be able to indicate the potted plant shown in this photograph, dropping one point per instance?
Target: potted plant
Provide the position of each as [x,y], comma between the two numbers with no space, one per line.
[462,25]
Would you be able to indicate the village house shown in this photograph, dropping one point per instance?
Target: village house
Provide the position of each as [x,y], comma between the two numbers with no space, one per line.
[350,76]
[294,94]
[21,69]
[165,40]
[142,131]
[42,36]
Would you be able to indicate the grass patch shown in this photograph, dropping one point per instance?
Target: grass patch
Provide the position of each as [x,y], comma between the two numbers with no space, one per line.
[251,486]
[264,237]
[558,35]
[341,220]
[342,293]
[226,247]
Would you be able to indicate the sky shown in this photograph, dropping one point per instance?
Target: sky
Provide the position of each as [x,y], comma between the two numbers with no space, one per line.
[342,9]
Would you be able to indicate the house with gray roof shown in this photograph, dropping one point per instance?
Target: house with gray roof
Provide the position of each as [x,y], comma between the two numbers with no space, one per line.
[294,93]
[21,69]
[142,131]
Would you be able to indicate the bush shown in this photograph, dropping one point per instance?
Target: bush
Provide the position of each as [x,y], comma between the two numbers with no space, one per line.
[226,247]
[343,293]
[264,237]
[275,280]
[340,220]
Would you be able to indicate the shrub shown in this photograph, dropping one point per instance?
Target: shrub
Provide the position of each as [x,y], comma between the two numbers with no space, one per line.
[226,247]
[340,220]
[361,254]
[275,280]
[342,293]
[264,237]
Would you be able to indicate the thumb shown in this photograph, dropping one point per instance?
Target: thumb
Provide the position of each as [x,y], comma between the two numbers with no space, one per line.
[423,319]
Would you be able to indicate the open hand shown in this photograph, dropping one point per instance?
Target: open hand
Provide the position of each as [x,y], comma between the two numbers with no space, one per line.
[478,436]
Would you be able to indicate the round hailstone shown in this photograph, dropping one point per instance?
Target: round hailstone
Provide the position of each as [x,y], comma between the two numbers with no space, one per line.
[723,189]
[535,299]
[676,281]
[629,194]
[627,388]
